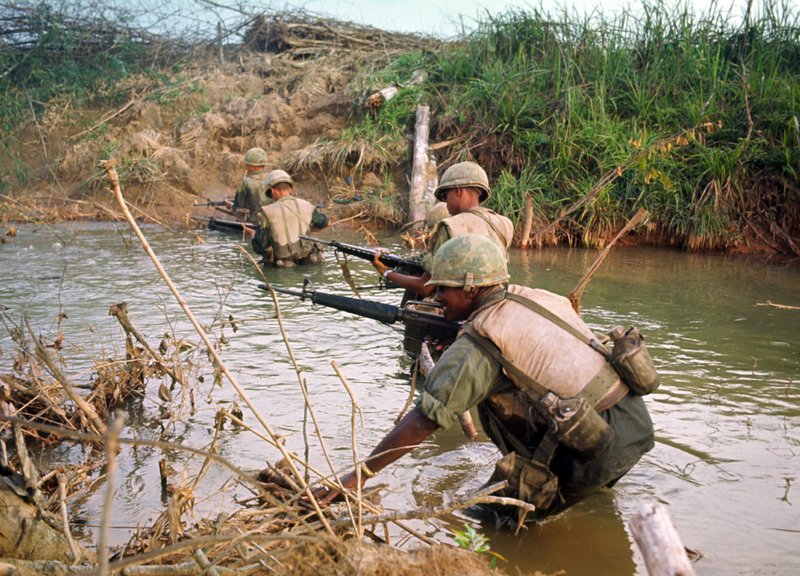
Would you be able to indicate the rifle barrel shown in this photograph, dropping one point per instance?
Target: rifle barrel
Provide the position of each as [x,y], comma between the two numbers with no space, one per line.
[369,254]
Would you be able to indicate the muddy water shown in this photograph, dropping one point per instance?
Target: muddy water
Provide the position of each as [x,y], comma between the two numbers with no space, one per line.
[727,453]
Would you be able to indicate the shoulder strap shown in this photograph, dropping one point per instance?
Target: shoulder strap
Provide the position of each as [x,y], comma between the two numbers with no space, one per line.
[542,311]
[491,225]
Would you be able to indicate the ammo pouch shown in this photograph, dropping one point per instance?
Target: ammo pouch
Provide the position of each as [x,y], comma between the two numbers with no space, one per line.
[530,481]
[632,361]
[576,424]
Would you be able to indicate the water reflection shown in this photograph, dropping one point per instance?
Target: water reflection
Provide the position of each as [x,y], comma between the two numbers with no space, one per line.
[726,418]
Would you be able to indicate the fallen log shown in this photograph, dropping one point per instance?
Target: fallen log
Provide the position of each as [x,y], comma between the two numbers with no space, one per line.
[661,547]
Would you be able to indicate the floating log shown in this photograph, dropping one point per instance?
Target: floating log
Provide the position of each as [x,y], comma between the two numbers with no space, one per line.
[663,551]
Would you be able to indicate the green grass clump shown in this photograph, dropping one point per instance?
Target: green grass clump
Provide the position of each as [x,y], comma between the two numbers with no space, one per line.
[693,117]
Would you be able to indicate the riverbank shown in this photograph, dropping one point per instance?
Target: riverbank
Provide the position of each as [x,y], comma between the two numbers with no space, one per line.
[675,114]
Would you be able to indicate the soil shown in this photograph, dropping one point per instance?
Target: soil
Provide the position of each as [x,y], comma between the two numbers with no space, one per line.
[182,141]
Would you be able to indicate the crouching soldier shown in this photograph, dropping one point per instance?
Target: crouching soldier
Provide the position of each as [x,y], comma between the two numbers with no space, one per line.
[549,400]
[277,238]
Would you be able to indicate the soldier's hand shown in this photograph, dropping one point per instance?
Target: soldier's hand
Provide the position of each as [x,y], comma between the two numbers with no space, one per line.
[325,495]
[376,262]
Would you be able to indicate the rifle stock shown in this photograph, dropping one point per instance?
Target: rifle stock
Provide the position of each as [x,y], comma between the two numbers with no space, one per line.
[419,325]
[404,265]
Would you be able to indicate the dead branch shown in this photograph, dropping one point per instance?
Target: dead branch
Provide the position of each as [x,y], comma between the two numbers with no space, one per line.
[85,408]
[575,296]
[781,306]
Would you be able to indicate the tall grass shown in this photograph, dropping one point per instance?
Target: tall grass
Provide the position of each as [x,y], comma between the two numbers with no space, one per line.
[696,115]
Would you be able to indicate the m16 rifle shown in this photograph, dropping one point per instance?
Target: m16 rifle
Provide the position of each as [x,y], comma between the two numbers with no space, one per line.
[211,203]
[403,265]
[419,325]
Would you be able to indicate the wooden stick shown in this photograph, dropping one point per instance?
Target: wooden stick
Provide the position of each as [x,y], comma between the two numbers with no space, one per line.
[525,238]
[575,296]
[661,547]
[416,207]
[113,178]
[76,398]
[62,495]
[108,503]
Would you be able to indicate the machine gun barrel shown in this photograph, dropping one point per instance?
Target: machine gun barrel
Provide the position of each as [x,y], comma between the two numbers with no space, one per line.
[408,266]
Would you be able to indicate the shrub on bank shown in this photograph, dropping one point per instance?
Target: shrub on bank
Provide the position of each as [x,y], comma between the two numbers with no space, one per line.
[694,118]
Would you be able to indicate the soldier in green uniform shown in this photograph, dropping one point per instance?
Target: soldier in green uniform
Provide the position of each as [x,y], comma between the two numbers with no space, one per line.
[553,405]
[282,222]
[462,188]
[252,192]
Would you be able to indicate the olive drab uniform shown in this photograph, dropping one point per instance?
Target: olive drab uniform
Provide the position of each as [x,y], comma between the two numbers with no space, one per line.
[509,355]
[282,224]
[252,194]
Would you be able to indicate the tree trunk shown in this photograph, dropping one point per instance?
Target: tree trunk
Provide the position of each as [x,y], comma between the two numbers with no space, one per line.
[419,172]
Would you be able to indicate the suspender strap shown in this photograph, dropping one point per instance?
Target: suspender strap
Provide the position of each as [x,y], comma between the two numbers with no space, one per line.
[490,224]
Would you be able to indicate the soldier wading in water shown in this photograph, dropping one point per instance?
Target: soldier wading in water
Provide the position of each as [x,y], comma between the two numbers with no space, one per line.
[463,188]
[252,192]
[281,224]
[554,406]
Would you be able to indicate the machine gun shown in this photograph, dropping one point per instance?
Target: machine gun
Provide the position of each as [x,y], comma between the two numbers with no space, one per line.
[403,265]
[418,324]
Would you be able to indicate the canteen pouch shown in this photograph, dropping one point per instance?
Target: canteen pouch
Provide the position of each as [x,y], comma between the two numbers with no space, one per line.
[632,361]
[577,425]
[532,482]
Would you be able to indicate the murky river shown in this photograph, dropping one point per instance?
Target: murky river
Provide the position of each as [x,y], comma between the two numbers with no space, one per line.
[727,456]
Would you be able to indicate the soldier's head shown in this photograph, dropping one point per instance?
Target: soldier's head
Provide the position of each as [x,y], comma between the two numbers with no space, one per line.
[279,184]
[255,158]
[462,268]
[463,186]
[436,214]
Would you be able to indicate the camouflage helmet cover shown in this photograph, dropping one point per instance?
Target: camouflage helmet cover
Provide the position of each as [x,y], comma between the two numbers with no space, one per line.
[279,177]
[470,261]
[436,214]
[255,157]
[463,175]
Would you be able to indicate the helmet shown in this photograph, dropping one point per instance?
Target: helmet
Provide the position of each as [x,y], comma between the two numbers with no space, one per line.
[436,214]
[278,177]
[255,157]
[463,175]
[470,261]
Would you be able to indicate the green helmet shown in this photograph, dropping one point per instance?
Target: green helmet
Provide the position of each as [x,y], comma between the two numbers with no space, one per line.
[278,177]
[436,214]
[463,175]
[255,157]
[470,261]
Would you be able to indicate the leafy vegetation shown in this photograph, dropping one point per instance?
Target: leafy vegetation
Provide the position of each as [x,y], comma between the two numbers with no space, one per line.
[690,117]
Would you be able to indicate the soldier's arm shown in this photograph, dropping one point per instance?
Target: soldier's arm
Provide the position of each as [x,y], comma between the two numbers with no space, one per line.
[413,429]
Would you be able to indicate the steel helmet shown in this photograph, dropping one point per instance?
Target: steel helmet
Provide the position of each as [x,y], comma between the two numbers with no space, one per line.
[463,175]
[436,214]
[278,177]
[470,261]
[255,157]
